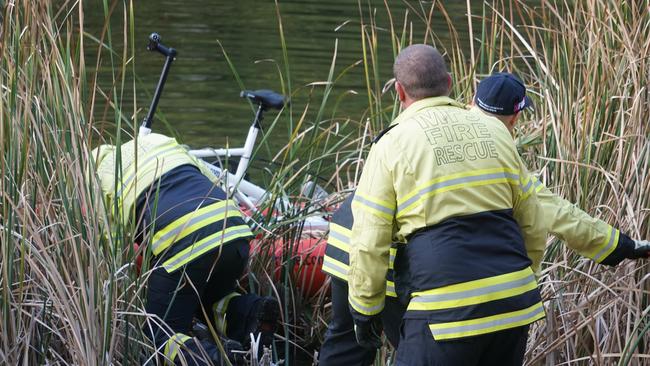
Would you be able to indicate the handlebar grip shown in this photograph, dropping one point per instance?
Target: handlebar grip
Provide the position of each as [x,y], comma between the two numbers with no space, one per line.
[155,45]
[154,39]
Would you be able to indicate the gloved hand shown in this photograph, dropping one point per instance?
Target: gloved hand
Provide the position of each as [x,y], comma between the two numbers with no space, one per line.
[368,332]
[641,249]
[234,351]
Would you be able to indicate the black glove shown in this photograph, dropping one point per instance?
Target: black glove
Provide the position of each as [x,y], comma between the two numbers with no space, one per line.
[627,248]
[368,332]
[641,249]
[234,351]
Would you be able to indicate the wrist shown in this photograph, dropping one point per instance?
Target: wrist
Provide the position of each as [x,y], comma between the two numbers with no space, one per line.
[624,249]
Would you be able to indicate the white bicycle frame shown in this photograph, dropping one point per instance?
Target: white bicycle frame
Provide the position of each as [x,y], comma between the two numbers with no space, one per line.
[245,192]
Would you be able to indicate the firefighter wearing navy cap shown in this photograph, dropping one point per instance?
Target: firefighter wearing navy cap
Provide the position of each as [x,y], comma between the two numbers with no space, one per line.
[199,243]
[503,96]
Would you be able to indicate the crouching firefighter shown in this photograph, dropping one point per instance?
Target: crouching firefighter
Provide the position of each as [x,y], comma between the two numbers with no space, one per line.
[199,245]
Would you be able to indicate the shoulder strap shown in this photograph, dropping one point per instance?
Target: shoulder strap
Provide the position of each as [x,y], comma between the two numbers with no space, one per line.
[382,133]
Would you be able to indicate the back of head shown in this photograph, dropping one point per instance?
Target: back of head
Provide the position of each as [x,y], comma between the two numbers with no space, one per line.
[422,72]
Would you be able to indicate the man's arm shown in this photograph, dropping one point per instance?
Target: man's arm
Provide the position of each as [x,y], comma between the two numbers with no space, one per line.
[373,209]
[588,236]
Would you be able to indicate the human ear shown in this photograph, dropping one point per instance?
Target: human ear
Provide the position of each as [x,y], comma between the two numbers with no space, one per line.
[401,93]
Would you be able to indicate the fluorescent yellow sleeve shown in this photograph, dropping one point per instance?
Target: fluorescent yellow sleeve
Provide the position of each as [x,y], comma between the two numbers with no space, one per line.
[588,236]
[140,164]
[373,209]
[529,215]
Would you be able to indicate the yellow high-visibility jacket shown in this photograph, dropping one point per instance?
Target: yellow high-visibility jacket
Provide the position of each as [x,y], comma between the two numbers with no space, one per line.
[336,260]
[588,236]
[143,161]
[450,184]
[192,214]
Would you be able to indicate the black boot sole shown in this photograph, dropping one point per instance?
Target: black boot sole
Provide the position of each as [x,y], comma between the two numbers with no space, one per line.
[267,317]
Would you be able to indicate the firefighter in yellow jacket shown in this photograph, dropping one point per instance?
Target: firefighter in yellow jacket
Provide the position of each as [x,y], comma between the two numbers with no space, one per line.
[500,95]
[198,239]
[448,184]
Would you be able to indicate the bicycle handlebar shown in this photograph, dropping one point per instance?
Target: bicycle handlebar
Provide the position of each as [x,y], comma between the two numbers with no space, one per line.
[170,55]
[155,45]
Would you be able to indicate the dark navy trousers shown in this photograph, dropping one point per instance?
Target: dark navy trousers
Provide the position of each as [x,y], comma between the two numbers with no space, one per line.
[179,296]
[418,348]
[340,346]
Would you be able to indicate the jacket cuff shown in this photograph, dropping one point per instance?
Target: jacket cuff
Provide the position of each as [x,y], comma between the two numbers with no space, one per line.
[624,249]
[364,312]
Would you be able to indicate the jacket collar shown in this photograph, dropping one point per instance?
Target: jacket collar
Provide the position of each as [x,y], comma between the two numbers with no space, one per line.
[423,104]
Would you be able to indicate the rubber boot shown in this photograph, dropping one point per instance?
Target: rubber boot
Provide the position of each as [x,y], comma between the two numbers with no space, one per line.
[233,349]
[263,320]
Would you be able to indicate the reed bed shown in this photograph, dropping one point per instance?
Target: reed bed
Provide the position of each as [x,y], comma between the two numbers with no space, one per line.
[70,295]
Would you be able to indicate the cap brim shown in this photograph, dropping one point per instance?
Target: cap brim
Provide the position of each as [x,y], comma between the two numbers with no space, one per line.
[528,104]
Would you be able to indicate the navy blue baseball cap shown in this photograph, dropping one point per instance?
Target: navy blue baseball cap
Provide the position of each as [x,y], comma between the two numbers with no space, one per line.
[502,93]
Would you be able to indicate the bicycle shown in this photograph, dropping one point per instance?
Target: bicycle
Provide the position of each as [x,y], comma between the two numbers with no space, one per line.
[245,193]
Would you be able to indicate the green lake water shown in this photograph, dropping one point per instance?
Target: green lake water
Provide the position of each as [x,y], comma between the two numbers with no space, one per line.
[201,99]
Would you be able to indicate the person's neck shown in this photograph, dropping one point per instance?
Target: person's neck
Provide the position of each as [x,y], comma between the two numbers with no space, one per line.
[407,102]
[506,120]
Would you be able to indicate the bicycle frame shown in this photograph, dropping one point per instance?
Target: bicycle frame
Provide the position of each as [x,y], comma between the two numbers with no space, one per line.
[245,192]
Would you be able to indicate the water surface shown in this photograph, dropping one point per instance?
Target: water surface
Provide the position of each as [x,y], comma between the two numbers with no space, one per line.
[201,99]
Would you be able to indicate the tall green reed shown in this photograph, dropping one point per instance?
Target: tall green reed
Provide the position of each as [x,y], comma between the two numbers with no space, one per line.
[66,293]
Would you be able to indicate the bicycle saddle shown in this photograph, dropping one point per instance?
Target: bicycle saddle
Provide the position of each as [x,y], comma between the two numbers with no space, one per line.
[267,98]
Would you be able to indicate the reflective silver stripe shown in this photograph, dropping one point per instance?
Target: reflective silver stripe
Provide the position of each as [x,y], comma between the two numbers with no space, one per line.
[390,287]
[607,249]
[474,292]
[527,187]
[173,350]
[132,176]
[217,240]
[174,233]
[496,323]
[343,238]
[452,182]
[335,269]
[376,206]
[391,261]
[367,310]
